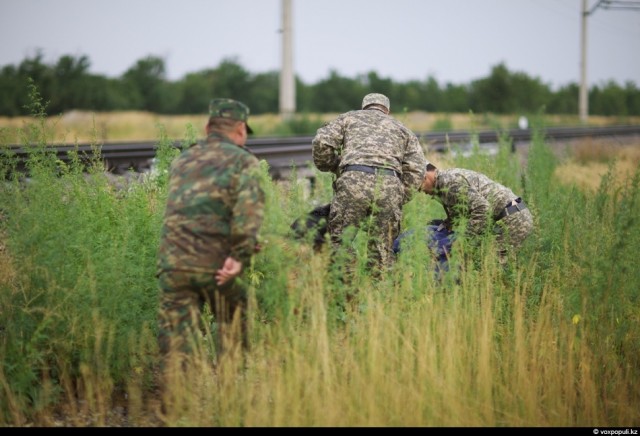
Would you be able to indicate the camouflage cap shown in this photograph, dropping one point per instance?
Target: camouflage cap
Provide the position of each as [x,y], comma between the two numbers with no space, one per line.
[228,108]
[376,99]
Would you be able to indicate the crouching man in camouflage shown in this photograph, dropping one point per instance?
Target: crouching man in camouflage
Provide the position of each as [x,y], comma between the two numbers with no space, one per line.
[484,203]
[214,210]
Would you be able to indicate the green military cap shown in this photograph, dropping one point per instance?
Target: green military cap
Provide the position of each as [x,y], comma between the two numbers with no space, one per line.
[228,108]
[375,98]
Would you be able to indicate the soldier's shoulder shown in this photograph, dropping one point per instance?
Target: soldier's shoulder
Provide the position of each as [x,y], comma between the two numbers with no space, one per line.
[352,114]
[474,175]
[337,120]
[240,150]
[452,175]
[231,151]
[246,155]
[459,172]
[349,115]
[400,125]
[251,160]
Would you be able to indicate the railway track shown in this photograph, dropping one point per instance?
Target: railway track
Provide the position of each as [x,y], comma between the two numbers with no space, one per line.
[284,153]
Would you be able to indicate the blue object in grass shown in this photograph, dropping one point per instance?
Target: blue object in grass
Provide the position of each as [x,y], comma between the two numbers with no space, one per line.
[439,239]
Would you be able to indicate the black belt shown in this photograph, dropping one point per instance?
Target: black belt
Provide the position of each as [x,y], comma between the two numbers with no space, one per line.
[511,209]
[371,170]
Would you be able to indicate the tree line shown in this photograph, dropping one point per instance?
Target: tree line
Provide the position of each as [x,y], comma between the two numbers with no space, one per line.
[68,84]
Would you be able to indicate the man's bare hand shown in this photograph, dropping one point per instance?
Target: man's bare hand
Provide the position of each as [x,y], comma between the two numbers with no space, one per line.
[229,270]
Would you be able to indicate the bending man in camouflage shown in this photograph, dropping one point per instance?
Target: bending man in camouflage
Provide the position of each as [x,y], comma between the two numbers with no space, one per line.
[378,163]
[213,214]
[485,204]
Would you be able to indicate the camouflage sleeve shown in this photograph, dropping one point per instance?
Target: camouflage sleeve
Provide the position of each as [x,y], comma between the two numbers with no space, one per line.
[469,203]
[413,167]
[326,147]
[248,213]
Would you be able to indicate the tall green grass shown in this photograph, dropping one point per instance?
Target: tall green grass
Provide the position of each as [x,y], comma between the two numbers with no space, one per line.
[552,340]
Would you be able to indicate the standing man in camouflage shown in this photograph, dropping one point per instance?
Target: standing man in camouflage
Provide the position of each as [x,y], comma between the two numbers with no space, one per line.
[484,203]
[378,164]
[213,215]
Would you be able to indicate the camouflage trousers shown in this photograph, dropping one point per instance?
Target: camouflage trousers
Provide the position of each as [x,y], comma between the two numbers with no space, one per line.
[511,231]
[370,202]
[184,296]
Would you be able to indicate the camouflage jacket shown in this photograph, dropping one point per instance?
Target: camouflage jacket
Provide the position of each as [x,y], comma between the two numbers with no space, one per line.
[370,137]
[215,207]
[472,195]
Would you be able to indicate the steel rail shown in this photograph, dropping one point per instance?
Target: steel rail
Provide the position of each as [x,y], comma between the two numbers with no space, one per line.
[284,153]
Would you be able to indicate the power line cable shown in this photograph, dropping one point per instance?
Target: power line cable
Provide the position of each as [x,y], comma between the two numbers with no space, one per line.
[615,5]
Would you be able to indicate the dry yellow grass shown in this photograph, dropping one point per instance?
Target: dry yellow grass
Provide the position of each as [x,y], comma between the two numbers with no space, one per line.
[78,126]
[590,160]
[82,126]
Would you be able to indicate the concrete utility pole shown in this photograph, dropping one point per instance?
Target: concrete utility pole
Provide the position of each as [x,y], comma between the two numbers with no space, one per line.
[584,92]
[630,5]
[287,78]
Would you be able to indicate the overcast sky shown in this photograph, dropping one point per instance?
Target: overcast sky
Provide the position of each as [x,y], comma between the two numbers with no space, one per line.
[454,41]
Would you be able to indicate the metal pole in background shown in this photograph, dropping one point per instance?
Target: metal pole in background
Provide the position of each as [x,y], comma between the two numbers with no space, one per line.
[630,5]
[584,93]
[287,78]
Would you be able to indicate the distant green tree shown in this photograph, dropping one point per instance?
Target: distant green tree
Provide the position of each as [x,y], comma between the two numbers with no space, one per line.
[505,92]
[304,96]
[493,93]
[147,82]
[11,92]
[375,83]
[42,76]
[68,84]
[528,94]
[632,98]
[455,98]
[608,100]
[71,88]
[337,94]
[411,96]
[194,92]
[107,94]
[433,95]
[231,80]
[564,100]
[265,97]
